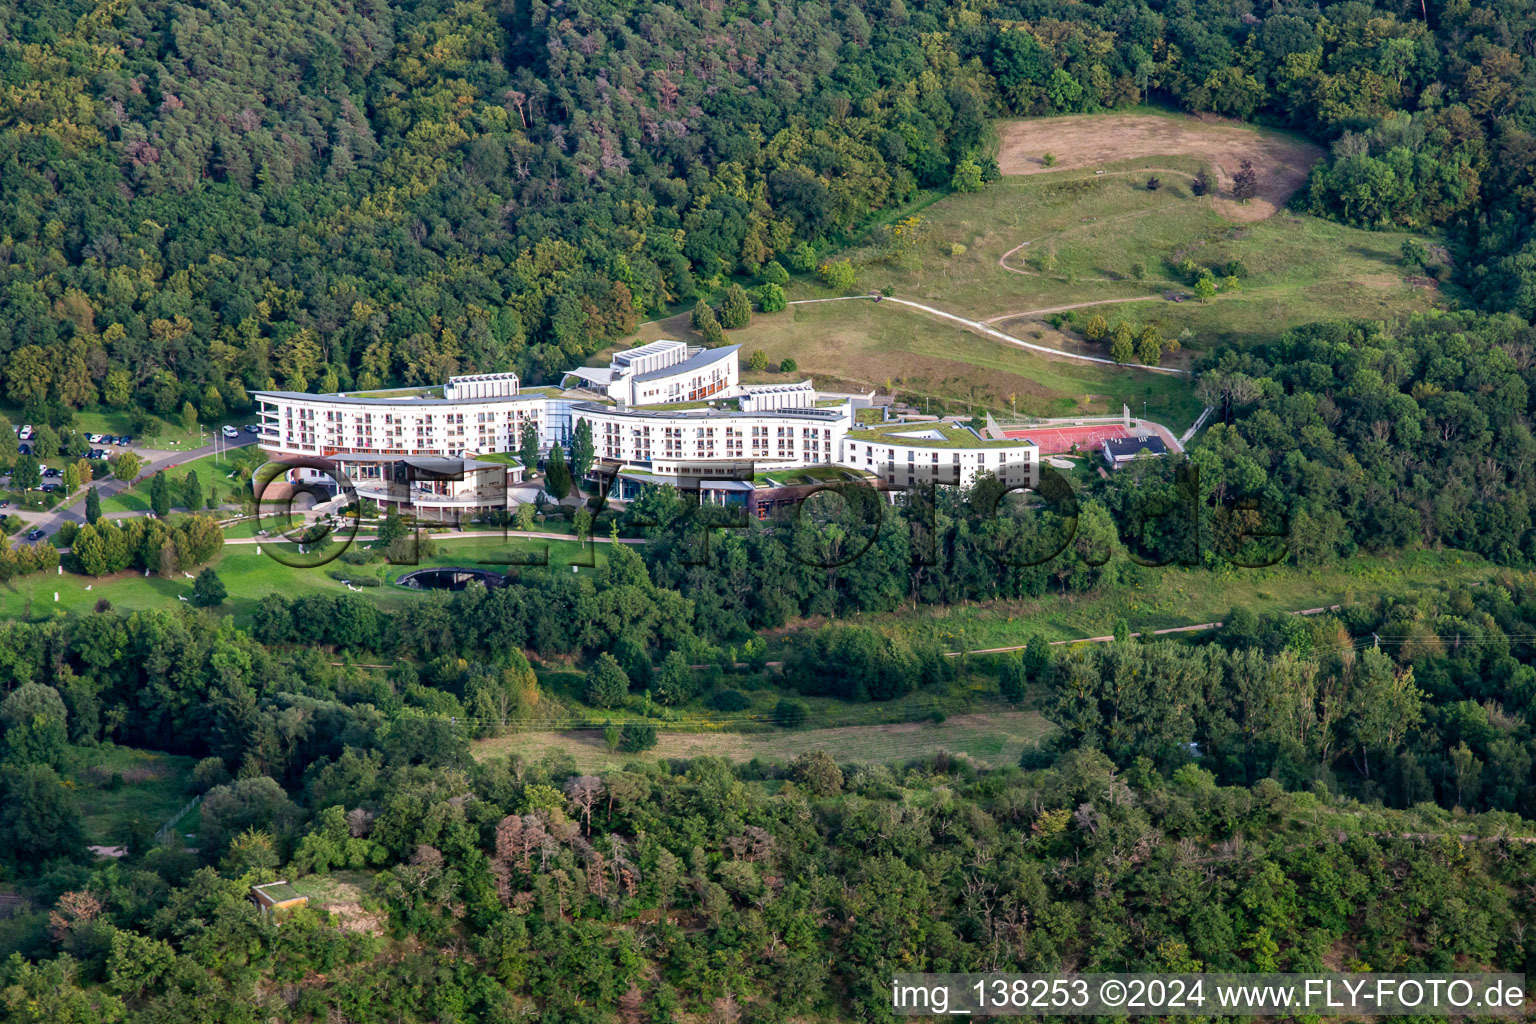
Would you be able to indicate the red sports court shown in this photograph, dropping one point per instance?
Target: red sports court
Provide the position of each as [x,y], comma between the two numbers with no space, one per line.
[1057,440]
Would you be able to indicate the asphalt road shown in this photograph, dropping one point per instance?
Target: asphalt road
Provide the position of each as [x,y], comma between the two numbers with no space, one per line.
[154,460]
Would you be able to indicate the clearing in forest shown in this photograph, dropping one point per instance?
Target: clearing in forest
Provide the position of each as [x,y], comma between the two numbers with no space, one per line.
[1086,140]
[996,738]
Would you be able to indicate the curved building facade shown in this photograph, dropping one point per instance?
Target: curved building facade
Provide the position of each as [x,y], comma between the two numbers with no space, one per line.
[667,411]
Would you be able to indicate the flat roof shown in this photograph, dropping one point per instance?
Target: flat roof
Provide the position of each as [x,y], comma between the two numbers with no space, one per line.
[305,396]
[708,357]
[650,348]
[929,434]
[278,892]
[769,389]
[430,463]
[1119,447]
[662,412]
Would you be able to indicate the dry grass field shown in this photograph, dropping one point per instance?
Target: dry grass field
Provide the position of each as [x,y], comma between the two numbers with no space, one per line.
[996,739]
[1088,140]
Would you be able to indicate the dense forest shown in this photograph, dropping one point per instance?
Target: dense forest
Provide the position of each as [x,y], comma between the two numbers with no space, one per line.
[200,200]
[667,890]
[197,200]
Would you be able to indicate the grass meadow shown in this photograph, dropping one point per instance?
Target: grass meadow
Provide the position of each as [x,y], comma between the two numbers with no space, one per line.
[1031,243]
[249,575]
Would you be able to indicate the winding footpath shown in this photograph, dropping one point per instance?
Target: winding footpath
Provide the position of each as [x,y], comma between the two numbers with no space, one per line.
[983,328]
[1002,261]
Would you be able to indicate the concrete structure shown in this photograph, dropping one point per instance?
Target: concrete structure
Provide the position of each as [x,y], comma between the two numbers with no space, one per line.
[277,897]
[659,413]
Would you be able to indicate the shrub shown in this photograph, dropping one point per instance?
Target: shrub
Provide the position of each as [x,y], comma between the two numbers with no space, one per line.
[837,275]
[729,700]
[1011,675]
[674,683]
[209,772]
[770,298]
[967,176]
[790,713]
[802,257]
[637,736]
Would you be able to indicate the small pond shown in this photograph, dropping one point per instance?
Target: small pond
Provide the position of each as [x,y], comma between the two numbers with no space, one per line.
[450,578]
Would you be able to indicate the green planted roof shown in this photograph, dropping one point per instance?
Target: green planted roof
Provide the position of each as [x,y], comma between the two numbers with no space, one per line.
[927,435]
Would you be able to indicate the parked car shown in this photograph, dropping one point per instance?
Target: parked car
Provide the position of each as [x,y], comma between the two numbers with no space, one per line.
[93,438]
[36,534]
[50,488]
[251,428]
[5,504]
[26,432]
[25,449]
[231,432]
[124,441]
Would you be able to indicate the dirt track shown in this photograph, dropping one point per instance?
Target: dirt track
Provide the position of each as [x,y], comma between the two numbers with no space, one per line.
[1087,140]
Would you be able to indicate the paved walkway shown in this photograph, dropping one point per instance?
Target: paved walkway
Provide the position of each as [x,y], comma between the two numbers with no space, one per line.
[1205,414]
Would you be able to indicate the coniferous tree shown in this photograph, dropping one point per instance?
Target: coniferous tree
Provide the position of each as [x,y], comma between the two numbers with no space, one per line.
[192,492]
[160,495]
[528,447]
[1245,183]
[736,310]
[208,590]
[557,475]
[583,450]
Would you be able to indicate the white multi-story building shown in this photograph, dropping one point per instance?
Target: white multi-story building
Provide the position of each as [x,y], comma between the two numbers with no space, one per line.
[938,453]
[658,412]
[663,372]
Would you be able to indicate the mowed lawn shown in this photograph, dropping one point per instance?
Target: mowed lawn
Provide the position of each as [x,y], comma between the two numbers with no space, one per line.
[213,474]
[995,738]
[1091,238]
[865,346]
[249,575]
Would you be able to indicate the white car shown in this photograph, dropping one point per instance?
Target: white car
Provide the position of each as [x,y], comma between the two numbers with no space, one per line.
[231,432]
[93,438]
[26,432]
